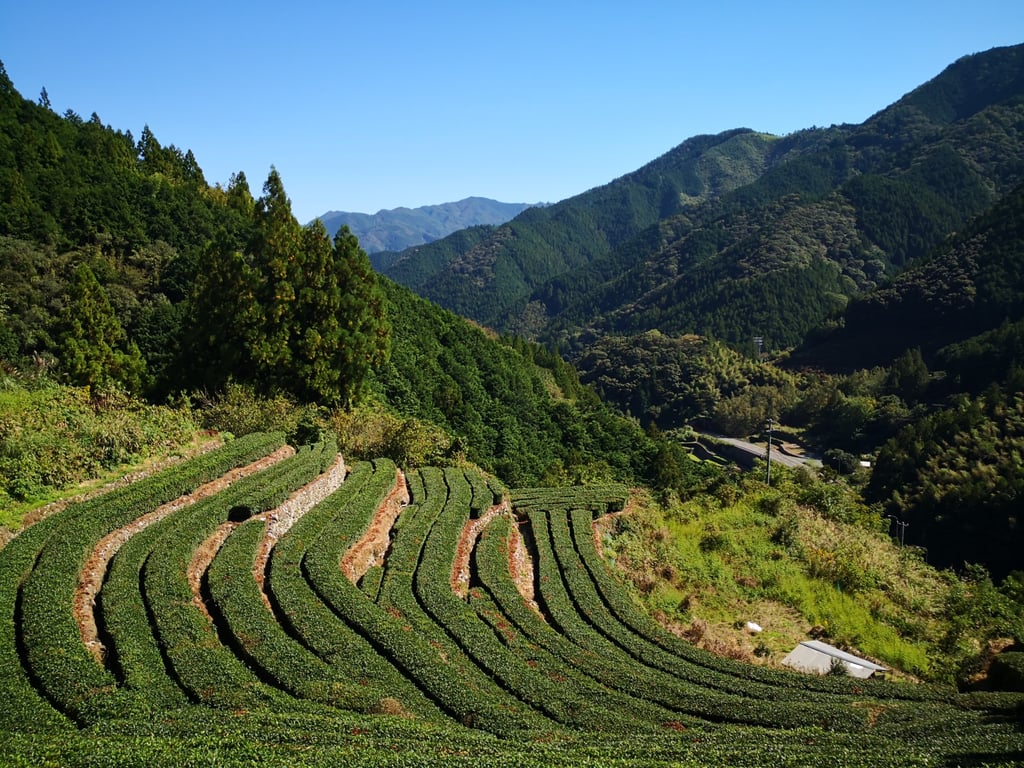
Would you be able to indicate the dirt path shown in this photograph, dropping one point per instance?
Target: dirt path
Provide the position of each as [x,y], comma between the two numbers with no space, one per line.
[520,562]
[464,550]
[90,579]
[520,565]
[373,545]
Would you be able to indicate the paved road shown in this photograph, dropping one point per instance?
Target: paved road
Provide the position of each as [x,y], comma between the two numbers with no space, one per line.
[757,451]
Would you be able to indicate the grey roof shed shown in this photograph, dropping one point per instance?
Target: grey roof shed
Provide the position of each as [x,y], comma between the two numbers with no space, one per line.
[818,657]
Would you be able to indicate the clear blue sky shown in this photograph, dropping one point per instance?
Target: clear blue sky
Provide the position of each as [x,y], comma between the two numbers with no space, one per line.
[369,105]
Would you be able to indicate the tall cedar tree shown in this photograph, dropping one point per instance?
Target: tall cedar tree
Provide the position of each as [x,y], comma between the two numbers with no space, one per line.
[293,312]
[93,347]
[364,335]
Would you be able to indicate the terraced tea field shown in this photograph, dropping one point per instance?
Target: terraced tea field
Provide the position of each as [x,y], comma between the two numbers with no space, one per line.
[260,605]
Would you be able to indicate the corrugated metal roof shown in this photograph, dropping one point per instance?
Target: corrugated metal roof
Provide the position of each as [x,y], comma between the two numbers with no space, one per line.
[816,656]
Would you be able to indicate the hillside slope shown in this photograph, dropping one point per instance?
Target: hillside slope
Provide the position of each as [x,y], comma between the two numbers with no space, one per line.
[495,276]
[150,230]
[231,636]
[972,285]
[777,257]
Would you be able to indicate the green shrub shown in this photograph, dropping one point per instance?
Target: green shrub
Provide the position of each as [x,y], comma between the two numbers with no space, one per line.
[371,432]
[238,409]
[56,436]
[1007,671]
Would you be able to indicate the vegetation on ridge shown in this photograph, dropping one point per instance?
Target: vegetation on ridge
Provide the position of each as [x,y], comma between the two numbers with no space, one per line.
[246,309]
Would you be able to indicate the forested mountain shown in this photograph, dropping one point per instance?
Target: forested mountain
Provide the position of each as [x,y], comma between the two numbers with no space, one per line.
[744,234]
[927,380]
[123,272]
[490,278]
[400,228]
[972,284]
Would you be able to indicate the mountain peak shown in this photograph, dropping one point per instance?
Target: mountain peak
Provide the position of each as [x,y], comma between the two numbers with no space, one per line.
[398,228]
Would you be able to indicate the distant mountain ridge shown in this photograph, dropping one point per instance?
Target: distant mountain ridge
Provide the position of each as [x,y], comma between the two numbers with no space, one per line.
[399,228]
[490,275]
[743,233]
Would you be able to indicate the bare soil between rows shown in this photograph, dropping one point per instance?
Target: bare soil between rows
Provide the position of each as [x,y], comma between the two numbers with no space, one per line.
[460,575]
[276,523]
[91,577]
[373,545]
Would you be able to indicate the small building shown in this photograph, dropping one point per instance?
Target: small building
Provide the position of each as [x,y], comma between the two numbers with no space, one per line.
[817,657]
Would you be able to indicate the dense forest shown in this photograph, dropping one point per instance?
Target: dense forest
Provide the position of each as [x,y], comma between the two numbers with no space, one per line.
[124,274]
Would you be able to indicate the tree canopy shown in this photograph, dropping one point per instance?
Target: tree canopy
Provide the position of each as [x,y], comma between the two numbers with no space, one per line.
[289,309]
[93,347]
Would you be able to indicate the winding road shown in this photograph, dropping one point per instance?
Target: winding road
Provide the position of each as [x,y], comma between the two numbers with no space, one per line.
[779,455]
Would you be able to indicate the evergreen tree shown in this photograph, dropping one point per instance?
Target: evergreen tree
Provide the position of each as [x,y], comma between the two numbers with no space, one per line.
[364,340]
[317,315]
[909,376]
[239,196]
[93,348]
[291,312]
[275,254]
[221,316]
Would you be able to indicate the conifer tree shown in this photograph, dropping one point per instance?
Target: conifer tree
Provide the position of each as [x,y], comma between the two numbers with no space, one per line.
[365,334]
[93,348]
[318,316]
[294,312]
[221,316]
[275,254]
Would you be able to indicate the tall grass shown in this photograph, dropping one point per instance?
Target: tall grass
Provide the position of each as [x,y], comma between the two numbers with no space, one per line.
[714,563]
[53,437]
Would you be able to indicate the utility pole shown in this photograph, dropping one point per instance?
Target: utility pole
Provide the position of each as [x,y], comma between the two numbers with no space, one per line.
[768,454]
[902,526]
